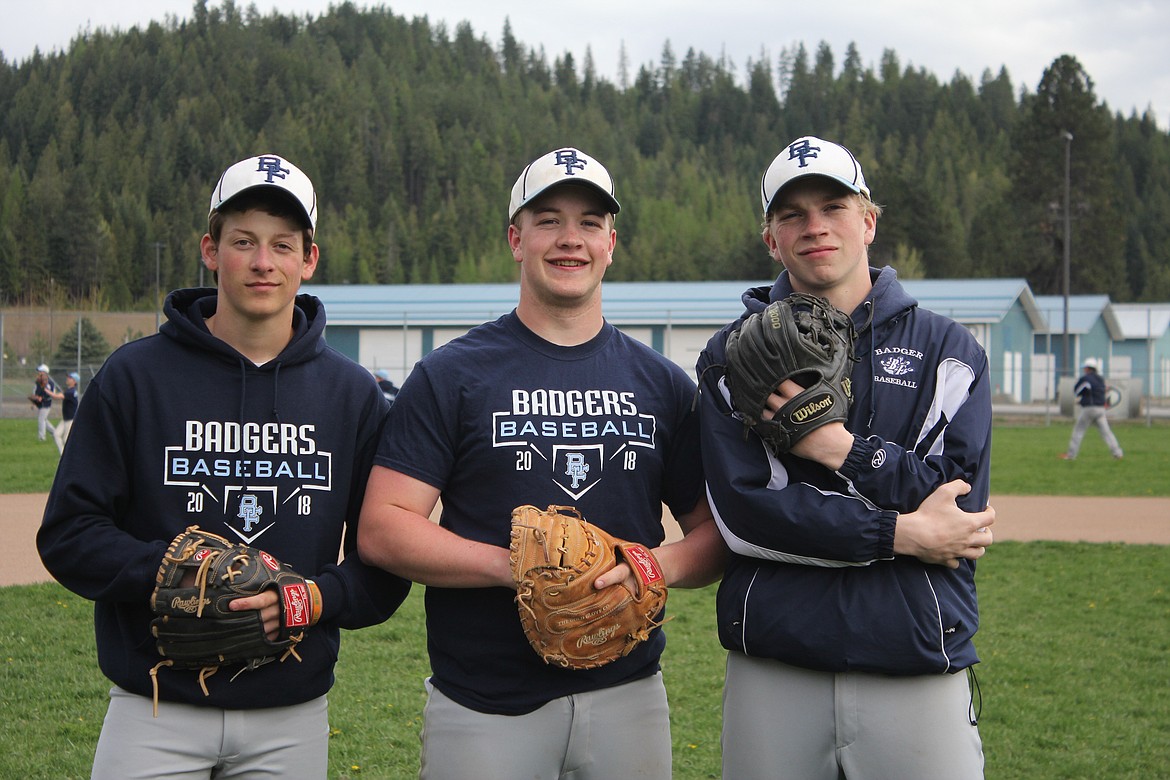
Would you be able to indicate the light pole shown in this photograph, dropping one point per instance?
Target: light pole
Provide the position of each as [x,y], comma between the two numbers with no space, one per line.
[157,292]
[1068,137]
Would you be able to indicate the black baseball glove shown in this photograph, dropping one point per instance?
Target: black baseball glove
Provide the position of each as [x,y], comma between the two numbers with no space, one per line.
[199,576]
[803,338]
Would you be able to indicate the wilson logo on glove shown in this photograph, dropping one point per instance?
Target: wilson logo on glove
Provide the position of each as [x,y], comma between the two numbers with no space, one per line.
[813,409]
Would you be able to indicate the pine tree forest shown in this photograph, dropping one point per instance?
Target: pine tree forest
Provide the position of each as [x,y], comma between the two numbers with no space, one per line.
[414,133]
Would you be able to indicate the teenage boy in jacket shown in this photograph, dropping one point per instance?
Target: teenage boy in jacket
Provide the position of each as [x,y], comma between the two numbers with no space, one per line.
[848,604]
[222,419]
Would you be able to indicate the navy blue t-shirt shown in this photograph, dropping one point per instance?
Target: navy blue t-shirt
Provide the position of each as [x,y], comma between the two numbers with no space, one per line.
[499,418]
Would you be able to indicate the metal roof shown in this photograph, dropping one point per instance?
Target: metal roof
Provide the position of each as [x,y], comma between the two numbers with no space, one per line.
[975,300]
[1083,312]
[1141,320]
[639,303]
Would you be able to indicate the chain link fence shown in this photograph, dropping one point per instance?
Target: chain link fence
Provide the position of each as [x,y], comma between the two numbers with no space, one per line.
[72,340]
[64,341]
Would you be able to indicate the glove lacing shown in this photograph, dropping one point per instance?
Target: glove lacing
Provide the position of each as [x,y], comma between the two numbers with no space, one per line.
[201,577]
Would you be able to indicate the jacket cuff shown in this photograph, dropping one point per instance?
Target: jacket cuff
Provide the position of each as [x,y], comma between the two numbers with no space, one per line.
[864,463]
[865,459]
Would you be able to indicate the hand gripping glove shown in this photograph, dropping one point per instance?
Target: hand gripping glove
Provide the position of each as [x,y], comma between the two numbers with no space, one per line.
[193,626]
[803,338]
[555,557]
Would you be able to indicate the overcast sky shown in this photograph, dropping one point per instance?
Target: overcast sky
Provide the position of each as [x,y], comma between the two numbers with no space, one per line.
[1124,45]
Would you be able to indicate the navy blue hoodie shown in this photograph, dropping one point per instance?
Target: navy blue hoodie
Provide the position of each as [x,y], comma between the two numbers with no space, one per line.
[180,429]
[812,580]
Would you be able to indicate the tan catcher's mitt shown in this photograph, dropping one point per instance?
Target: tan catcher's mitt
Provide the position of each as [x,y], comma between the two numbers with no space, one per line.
[555,557]
[200,575]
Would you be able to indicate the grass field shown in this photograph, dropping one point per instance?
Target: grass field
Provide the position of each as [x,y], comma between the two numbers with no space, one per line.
[1074,642]
[1023,460]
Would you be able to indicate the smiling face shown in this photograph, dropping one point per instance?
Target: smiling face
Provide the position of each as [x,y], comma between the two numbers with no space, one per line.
[563,241]
[260,261]
[820,232]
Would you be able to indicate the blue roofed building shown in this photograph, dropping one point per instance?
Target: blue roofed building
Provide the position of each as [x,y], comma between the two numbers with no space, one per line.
[392,326]
[1141,347]
[1002,315]
[1091,331]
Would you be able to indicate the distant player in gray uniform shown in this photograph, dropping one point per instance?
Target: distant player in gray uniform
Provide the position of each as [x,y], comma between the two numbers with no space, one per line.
[549,404]
[1090,394]
[848,606]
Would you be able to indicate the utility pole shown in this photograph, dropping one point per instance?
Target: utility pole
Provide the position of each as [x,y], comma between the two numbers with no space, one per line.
[1068,137]
[158,245]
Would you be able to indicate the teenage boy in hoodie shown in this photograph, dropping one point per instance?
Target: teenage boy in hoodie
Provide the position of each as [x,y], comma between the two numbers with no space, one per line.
[239,418]
[848,605]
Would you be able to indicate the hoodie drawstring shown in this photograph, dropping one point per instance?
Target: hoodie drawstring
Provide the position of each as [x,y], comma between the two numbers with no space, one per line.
[276,392]
[244,395]
[872,357]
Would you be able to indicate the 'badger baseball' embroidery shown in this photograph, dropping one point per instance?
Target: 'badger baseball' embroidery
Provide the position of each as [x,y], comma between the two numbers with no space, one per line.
[897,363]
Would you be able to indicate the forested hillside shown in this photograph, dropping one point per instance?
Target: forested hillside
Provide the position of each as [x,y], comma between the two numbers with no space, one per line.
[415,132]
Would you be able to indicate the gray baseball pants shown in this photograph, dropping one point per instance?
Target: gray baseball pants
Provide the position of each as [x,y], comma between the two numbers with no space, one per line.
[186,742]
[780,721]
[620,732]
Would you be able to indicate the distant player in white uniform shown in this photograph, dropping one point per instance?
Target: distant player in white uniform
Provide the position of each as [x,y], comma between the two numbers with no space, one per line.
[549,404]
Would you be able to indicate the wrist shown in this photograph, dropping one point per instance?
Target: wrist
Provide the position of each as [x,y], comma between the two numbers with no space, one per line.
[315,602]
[904,541]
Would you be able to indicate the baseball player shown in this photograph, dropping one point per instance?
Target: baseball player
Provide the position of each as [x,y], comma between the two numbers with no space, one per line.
[69,399]
[386,384]
[1090,394]
[848,604]
[220,420]
[548,404]
[42,398]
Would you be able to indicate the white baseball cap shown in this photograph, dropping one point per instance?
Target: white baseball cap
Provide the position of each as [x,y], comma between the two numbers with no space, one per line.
[43,368]
[1092,363]
[561,166]
[811,156]
[267,170]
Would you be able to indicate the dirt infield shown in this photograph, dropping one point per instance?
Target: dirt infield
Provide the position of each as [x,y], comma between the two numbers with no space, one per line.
[1018,518]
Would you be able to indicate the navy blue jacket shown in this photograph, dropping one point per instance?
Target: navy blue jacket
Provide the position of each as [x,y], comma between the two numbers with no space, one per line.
[813,580]
[179,429]
[1090,389]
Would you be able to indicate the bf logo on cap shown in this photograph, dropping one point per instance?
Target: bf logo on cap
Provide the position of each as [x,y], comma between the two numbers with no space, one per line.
[801,151]
[569,159]
[271,167]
